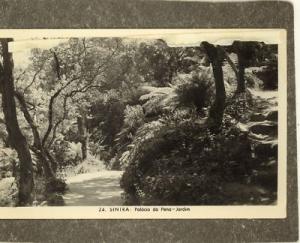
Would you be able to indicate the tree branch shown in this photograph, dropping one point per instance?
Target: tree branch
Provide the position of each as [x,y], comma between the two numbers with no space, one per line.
[19,77]
[34,77]
[230,62]
[57,65]
[65,113]
[57,93]
[30,121]
[50,109]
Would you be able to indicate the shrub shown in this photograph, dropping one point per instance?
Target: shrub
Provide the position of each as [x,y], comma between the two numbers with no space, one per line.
[181,162]
[8,161]
[55,186]
[55,200]
[269,76]
[191,90]
[134,117]
[8,192]
[67,153]
[240,106]
[195,90]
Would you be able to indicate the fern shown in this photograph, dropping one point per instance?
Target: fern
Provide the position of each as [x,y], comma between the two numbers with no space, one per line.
[158,99]
[189,90]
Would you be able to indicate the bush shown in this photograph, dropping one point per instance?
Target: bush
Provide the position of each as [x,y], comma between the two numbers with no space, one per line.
[134,117]
[55,186]
[240,107]
[67,153]
[269,76]
[195,90]
[181,162]
[8,162]
[8,192]
[55,200]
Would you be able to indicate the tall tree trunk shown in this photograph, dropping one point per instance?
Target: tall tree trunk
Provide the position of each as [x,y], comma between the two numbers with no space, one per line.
[45,163]
[52,161]
[217,109]
[48,163]
[241,87]
[19,142]
[241,49]
[83,133]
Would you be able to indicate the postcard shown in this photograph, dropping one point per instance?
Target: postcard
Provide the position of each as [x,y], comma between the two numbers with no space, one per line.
[143,124]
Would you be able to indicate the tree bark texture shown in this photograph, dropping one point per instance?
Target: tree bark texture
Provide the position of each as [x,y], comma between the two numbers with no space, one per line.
[48,163]
[241,87]
[83,135]
[245,51]
[217,109]
[18,141]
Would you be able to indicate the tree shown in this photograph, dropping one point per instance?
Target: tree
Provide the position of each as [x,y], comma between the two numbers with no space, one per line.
[158,62]
[45,158]
[58,86]
[240,51]
[17,139]
[248,53]
[215,56]
[83,134]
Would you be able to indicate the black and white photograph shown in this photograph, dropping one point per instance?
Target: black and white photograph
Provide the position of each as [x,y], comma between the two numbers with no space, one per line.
[149,121]
[181,119]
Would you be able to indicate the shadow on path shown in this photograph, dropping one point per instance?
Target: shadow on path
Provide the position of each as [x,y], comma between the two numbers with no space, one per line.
[100,191]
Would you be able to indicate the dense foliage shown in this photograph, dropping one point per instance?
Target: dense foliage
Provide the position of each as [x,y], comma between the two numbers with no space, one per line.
[148,109]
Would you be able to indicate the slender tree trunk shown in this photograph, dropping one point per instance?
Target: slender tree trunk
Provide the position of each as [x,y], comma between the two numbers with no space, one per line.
[217,109]
[241,87]
[84,149]
[230,62]
[45,163]
[241,49]
[48,163]
[19,142]
[83,133]
[52,161]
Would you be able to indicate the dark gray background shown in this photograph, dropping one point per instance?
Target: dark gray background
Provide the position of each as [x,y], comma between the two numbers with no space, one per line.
[151,14]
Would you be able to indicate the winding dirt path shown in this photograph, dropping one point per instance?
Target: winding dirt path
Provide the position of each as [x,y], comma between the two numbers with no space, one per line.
[94,189]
